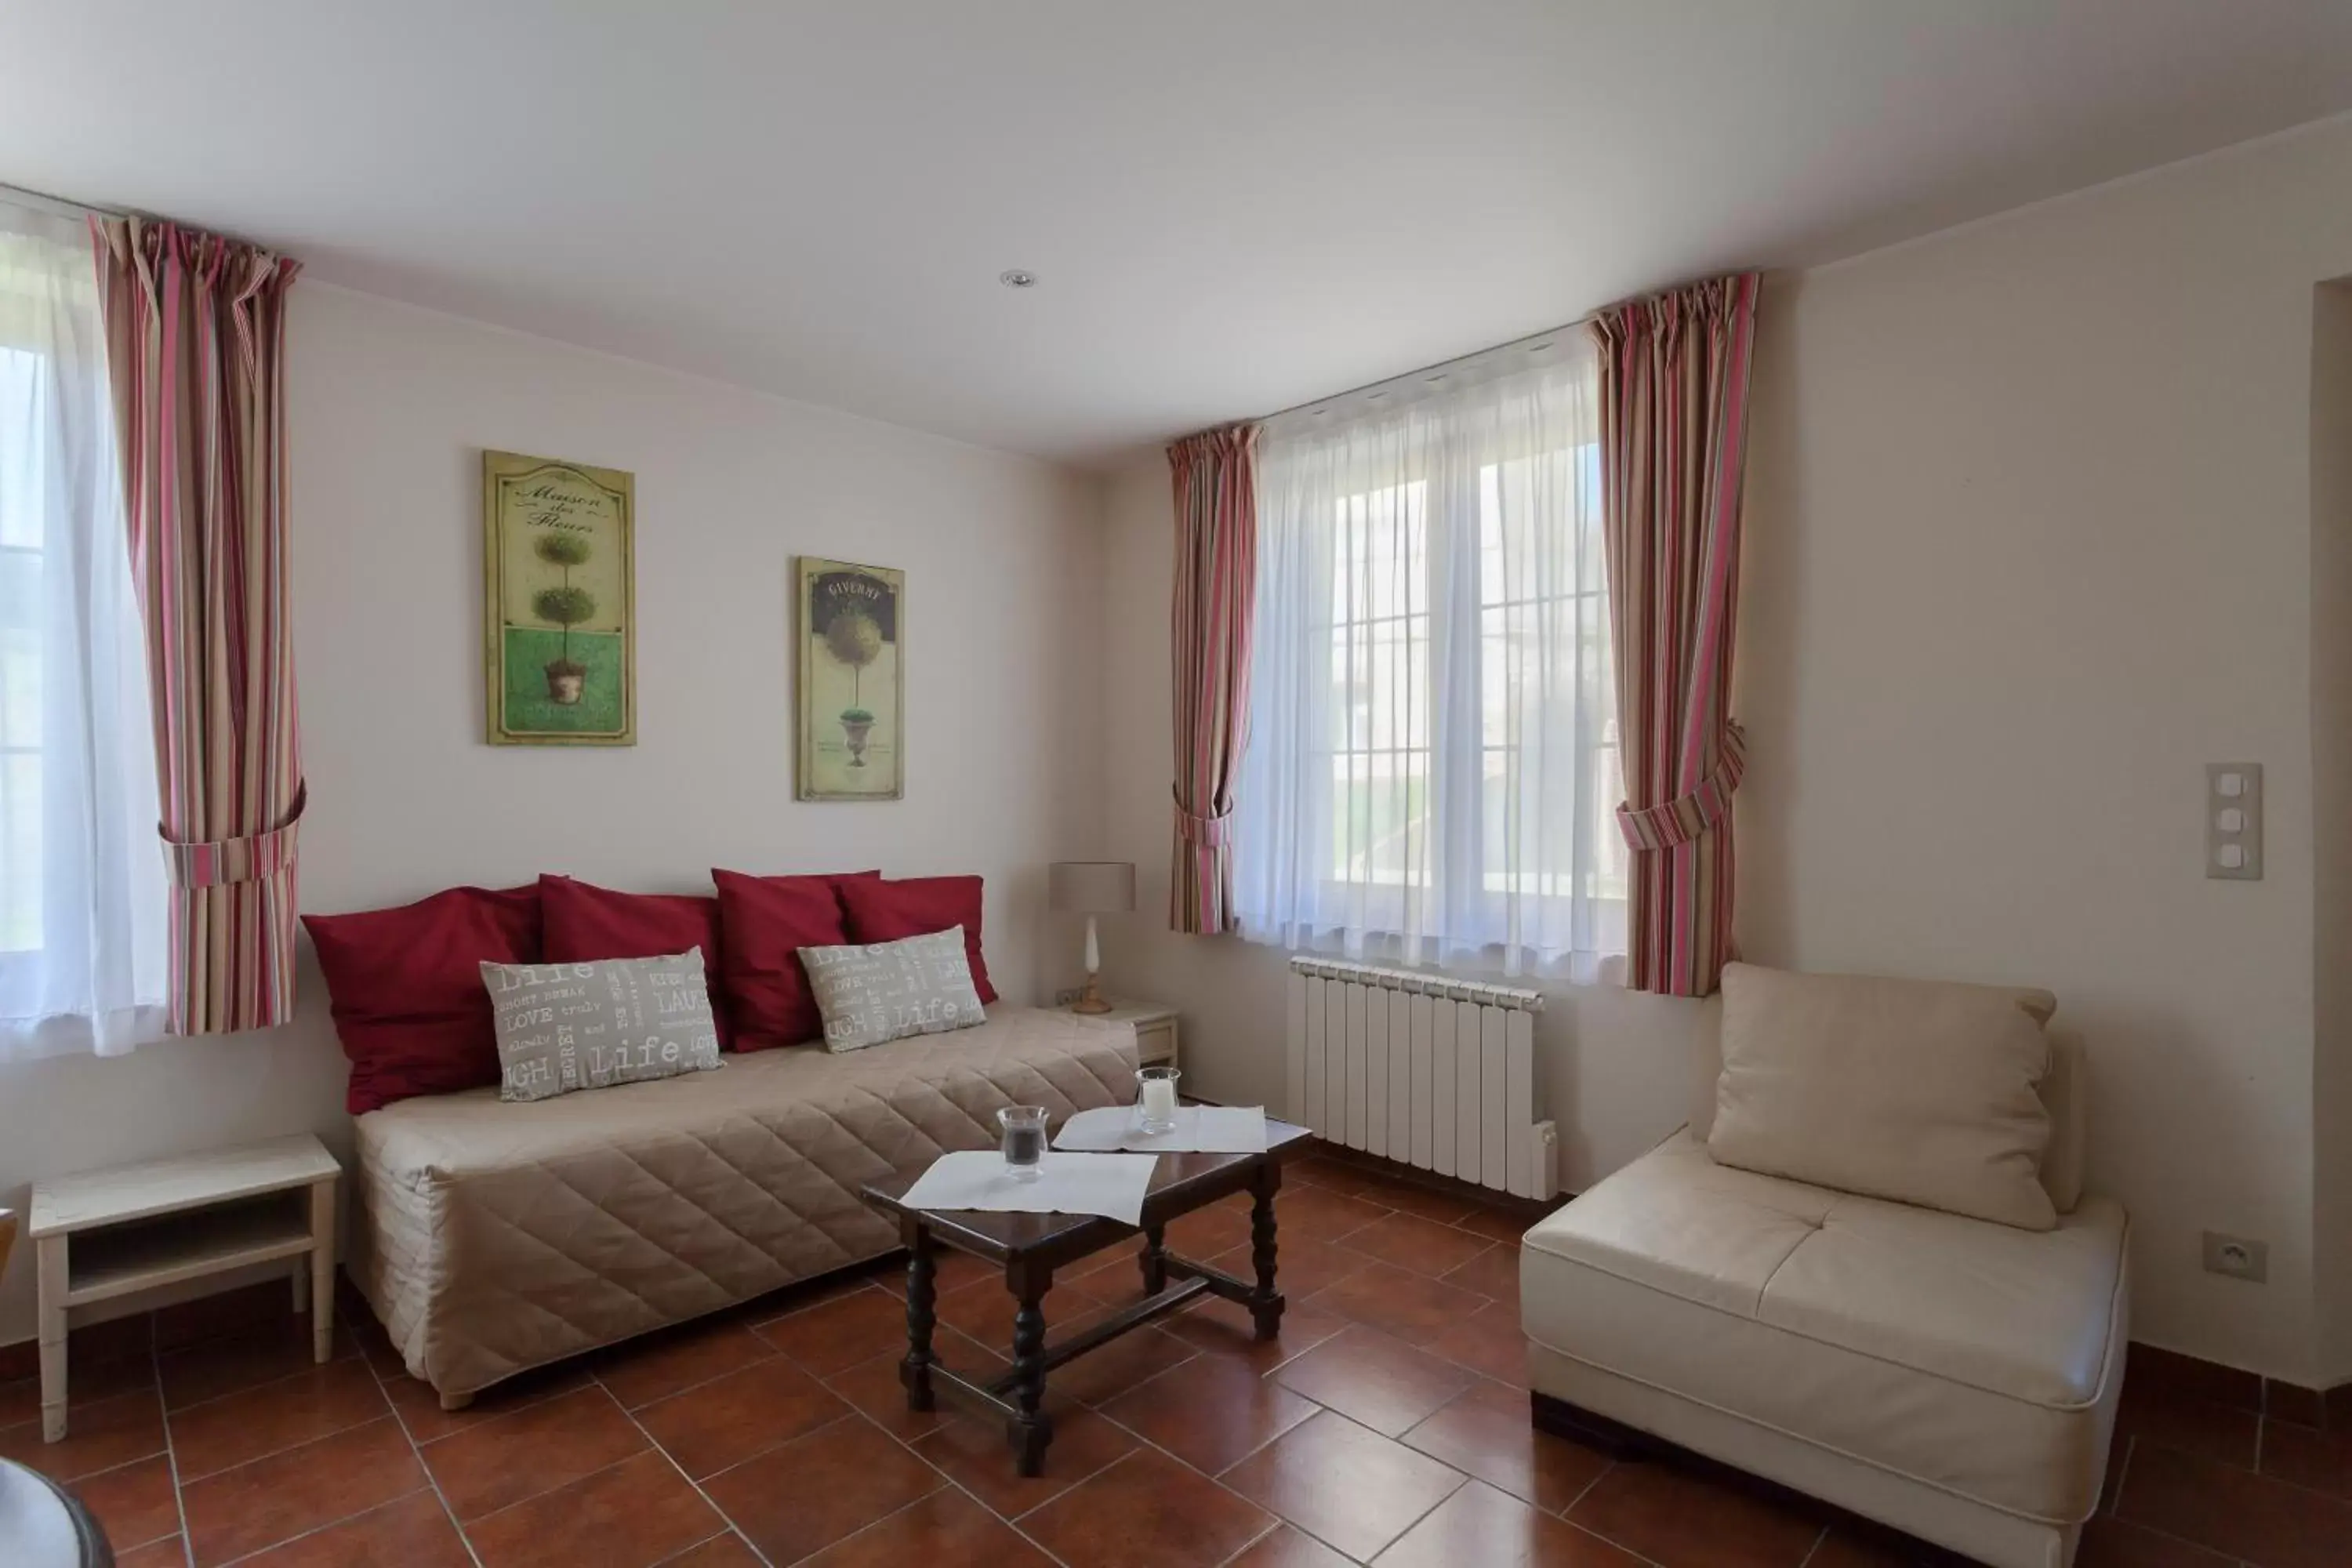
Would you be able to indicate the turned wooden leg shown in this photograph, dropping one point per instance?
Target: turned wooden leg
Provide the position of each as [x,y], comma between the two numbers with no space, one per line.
[1031,1430]
[1154,1259]
[455,1402]
[922,1297]
[1266,1302]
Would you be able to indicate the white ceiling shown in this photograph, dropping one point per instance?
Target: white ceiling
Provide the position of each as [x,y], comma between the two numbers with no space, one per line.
[1233,205]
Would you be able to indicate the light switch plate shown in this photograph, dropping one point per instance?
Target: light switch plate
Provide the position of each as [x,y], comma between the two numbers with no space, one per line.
[2234,854]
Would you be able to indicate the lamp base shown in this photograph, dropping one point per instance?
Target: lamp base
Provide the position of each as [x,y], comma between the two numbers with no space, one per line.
[1092,1002]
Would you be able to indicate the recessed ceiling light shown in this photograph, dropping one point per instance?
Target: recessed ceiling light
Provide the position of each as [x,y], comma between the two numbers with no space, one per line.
[1014,278]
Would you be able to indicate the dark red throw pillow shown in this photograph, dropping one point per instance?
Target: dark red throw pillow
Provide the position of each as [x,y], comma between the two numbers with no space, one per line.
[586,922]
[765,921]
[406,989]
[886,910]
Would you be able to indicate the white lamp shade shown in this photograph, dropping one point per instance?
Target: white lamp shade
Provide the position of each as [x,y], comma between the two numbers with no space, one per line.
[1091,886]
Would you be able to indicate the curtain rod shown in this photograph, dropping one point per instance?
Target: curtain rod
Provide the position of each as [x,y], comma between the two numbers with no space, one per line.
[1373,391]
[58,205]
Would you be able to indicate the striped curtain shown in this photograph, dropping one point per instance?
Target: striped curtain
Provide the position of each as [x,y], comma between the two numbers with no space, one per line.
[195,351]
[1674,431]
[1216,586]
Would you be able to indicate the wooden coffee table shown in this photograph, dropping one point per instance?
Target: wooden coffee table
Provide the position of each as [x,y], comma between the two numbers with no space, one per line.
[1032,1246]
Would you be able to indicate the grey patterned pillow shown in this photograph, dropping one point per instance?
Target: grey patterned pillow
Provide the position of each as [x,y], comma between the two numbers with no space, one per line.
[563,1026]
[889,990]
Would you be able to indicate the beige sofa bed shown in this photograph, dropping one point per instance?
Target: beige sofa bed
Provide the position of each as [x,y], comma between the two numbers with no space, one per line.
[492,1237]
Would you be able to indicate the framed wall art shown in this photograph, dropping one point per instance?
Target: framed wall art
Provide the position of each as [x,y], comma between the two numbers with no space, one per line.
[853,681]
[559,602]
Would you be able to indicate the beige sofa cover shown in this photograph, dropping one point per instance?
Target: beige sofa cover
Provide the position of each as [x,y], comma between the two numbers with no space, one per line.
[1950,1377]
[492,1237]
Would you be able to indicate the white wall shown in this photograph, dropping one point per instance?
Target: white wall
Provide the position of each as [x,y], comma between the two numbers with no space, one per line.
[2331,737]
[2031,514]
[2030,545]
[390,409]
[2030,542]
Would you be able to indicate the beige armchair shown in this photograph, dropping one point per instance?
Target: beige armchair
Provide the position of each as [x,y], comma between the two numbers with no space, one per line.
[1950,1376]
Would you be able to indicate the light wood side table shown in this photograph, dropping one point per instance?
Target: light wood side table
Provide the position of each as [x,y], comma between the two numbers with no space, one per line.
[100,1235]
[1156,1044]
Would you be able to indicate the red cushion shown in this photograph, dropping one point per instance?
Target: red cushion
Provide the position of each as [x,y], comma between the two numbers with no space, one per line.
[765,921]
[586,922]
[407,993]
[881,910]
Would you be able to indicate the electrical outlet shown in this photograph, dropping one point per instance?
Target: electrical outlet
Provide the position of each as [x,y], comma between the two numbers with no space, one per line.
[1067,995]
[2239,1256]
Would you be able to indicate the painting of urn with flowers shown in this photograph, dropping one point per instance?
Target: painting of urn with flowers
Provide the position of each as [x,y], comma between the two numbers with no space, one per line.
[852,681]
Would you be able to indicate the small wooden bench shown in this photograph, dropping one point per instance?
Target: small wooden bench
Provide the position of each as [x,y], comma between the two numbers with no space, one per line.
[99,1235]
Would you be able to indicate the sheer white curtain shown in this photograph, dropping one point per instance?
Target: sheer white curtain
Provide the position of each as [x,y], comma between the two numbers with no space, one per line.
[82,916]
[1431,771]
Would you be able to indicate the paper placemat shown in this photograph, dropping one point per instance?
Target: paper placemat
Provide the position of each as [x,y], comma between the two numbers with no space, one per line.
[1111,1186]
[1200,1130]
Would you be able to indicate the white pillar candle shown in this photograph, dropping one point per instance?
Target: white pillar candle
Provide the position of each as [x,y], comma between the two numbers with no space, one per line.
[1160,1099]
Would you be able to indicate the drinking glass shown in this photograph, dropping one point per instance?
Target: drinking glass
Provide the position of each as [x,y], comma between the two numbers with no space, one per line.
[1024,1138]
[1155,1102]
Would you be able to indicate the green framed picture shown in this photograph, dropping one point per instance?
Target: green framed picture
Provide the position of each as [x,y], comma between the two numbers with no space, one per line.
[559,602]
[853,681]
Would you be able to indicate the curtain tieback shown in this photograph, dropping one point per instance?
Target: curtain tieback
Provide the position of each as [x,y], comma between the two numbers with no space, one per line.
[1684,817]
[224,860]
[1208,832]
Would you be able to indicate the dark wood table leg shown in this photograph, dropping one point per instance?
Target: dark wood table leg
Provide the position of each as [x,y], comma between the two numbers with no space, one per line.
[922,1296]
[1030,1429]
[1154,1259]
[1266,1302]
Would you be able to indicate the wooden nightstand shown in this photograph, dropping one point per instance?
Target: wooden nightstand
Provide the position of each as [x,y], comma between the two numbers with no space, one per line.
[1155,1030]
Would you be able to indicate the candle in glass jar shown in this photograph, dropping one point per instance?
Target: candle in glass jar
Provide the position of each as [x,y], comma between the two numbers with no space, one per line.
[1160,1099]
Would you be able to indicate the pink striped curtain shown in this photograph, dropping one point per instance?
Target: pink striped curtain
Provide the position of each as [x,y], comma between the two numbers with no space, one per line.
[196,350]
[1674,431]
[1216,586]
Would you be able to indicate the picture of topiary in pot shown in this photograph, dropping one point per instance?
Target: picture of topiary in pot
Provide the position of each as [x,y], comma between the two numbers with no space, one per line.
[854,637]
[565,606]
[849,719]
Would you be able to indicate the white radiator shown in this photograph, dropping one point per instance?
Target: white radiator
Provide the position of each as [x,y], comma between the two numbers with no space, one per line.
[1426,1070]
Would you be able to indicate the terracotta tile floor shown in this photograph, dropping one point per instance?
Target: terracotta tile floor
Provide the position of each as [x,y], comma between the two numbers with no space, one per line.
[1387,1425]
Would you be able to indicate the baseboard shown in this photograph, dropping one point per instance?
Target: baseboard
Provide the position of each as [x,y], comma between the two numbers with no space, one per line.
[1533,1210]
[2193,1377]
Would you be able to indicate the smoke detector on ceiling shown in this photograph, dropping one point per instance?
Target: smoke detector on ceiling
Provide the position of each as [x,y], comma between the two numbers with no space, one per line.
[1014,278]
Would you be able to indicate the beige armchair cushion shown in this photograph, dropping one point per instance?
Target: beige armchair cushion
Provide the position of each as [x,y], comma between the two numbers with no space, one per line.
[1920,1091]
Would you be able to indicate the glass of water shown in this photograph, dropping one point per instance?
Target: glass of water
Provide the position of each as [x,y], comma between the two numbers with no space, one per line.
[1024,1138]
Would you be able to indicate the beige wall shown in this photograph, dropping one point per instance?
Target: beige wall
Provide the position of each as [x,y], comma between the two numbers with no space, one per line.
[2032,509]
[2029,543]
[2331,737]
[391,407]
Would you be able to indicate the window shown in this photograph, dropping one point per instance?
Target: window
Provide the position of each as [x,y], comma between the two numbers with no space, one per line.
[21,618]
[82,910]
[1432,773]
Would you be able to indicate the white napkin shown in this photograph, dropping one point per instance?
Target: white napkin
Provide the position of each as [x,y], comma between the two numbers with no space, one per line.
[1111,1186]
[1200,1130]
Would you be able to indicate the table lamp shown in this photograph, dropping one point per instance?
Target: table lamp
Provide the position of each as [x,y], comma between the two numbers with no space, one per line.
[1091,888]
